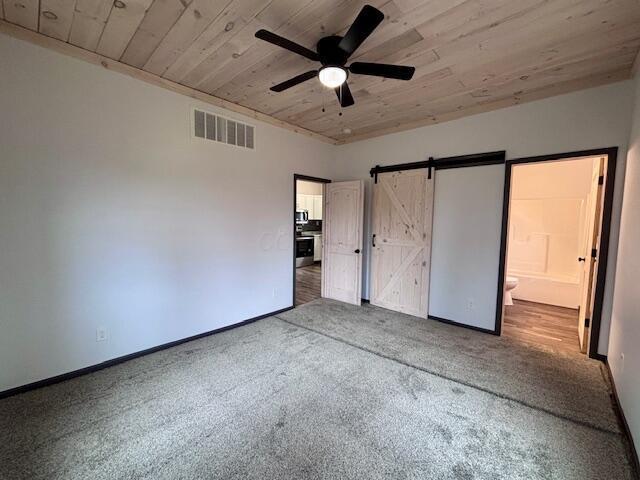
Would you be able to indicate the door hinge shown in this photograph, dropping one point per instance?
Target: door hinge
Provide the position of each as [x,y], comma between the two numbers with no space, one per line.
[601,180]
[594,252]
[587,321]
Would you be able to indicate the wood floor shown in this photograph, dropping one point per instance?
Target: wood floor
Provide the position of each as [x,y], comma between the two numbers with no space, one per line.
[307,283]
[542,324]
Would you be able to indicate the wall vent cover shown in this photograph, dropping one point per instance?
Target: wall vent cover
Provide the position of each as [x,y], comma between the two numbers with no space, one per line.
[224,130]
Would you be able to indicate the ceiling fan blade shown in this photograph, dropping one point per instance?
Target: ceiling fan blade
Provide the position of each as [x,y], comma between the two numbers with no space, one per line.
[287,44]
[292,82]
[366,22]
[344,95]
[398,72]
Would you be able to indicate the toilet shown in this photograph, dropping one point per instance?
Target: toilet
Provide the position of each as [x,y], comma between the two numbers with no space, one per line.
[510,284]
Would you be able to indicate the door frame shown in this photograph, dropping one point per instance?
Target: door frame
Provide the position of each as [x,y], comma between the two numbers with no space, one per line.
[296,177]
[611,154]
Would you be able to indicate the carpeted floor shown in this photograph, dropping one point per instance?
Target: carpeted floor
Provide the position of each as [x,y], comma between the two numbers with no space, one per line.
[324,391]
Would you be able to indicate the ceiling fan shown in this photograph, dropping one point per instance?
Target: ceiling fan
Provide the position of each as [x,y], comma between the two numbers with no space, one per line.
[334,51]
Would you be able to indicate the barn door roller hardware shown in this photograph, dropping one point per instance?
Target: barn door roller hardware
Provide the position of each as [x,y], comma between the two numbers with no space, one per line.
[474,160]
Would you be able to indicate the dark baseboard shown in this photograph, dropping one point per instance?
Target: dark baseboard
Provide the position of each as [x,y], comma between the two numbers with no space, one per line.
[458,324]
[110,363]
[599,356]
[451,322]
[625,426]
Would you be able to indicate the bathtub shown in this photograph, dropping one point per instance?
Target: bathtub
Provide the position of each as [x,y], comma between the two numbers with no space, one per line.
[542,288]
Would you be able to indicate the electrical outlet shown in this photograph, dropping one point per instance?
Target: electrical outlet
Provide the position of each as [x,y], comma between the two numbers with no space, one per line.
[275,292]
[101,334]
[470,304]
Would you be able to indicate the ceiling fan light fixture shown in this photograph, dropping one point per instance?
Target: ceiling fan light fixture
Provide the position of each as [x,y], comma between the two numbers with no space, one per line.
[332,77]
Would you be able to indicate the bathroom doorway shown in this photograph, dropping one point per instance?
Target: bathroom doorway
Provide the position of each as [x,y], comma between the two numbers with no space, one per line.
[555,241]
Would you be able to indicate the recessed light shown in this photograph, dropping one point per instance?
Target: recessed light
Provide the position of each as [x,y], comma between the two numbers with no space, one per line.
[119,4]
[49,15]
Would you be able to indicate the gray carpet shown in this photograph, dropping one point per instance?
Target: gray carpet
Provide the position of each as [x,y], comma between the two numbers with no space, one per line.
[560,383]
[326,391]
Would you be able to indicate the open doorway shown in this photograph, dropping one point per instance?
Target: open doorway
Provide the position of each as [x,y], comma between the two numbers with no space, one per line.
[308,217]
[555,242]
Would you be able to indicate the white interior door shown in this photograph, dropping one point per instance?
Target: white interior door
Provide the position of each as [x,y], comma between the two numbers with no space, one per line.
[342,241]
[592,239]
[401,248]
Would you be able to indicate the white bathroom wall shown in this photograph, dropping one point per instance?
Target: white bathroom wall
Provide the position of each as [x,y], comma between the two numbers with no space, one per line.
[624,344]
[112,216]
[593,118]
[548,213]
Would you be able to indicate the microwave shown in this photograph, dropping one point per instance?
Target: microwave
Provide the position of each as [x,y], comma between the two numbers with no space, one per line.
[302,216]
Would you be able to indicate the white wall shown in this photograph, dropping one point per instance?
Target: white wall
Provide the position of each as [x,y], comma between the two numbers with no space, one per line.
[112,216]
[624,343]
[467,213]
[593,118]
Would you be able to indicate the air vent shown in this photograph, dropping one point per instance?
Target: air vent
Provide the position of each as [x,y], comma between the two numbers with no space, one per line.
[220,129]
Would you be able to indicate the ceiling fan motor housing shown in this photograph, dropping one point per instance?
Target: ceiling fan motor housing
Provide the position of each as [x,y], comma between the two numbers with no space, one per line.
[331,55]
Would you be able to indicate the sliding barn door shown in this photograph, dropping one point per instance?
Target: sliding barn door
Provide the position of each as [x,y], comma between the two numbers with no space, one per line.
[401,241]
[342,237]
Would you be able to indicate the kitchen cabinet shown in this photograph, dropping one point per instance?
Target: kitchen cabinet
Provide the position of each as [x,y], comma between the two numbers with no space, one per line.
[311,203]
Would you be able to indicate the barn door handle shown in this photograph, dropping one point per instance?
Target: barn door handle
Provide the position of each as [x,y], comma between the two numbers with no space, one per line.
[581,259]
[373,240]
[357,250]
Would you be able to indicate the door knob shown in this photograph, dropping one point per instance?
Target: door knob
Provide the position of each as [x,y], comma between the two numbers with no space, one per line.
[357,250]
[581,259]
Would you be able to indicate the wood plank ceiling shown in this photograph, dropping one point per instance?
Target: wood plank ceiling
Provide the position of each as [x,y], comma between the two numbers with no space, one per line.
[471,55]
